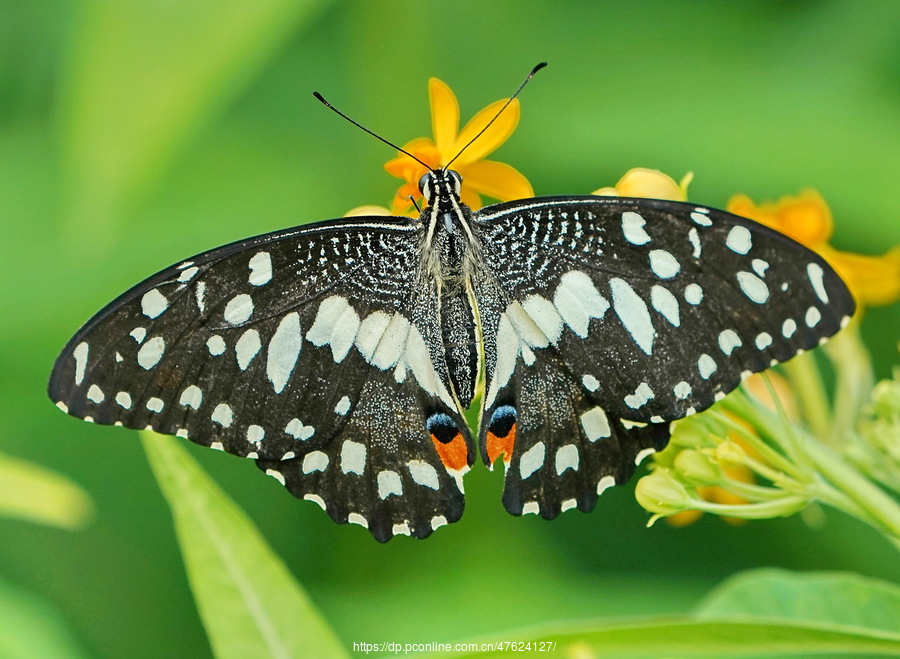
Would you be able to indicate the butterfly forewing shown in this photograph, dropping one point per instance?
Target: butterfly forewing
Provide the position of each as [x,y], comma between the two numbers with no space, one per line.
[616,316]
[306,349]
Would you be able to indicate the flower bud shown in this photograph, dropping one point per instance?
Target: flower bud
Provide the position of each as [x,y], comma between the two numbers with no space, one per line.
[697,469]
[730,454]
[661,493]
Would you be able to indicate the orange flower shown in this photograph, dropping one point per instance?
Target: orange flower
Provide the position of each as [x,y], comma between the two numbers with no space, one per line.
[874,280]
[480,177]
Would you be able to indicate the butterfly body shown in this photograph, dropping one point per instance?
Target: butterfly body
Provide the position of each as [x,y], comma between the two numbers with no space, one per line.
[342,356]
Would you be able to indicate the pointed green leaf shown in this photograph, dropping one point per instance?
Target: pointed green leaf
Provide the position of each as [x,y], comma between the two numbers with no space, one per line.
[34,493]
[841,600]
[250,604]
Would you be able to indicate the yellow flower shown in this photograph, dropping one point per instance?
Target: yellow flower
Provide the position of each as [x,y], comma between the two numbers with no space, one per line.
[874,280]
[480,177]
[650,184]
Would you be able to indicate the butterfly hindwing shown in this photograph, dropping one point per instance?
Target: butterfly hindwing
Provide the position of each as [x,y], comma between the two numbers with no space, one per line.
[288,348]
[614,316]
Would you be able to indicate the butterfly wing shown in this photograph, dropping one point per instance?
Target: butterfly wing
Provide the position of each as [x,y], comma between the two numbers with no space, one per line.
[610,317]
[284,348]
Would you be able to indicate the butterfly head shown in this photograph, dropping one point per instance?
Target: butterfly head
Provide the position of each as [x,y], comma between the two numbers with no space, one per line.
[440,186]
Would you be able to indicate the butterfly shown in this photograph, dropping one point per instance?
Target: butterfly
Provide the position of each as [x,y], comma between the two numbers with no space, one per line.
[342,356]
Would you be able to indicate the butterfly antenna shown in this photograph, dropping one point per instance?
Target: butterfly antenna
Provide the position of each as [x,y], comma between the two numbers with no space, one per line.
[328,105]
[499,112]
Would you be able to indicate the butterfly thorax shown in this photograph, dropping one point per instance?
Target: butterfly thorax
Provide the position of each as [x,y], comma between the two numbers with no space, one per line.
[450,257]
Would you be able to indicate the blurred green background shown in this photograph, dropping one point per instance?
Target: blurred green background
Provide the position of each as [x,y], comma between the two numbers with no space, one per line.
[135,134]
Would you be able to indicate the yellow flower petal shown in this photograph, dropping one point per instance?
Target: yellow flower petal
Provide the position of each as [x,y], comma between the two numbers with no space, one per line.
[496,180]
[805,217]
[874,280]
[492,138]
[444,115]
[649,184]
[360,211]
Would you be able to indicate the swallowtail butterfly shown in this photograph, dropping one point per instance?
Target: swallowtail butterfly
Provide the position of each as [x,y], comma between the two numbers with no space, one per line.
[341,356]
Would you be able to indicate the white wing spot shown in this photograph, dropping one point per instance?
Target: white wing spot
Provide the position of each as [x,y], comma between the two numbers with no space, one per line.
[604,484]
[356,518]
[759,266]
[532,460]
[643,455]
[763,340]
[682,390]
[666,304]
[151,352]
[277,475]
[188,274]
[255,433]
[155,405]
[706,365]
[153,303]
[343,406]
[315,498]
[283,352]
[568,504]
[700,217]
[739,240]
[239,309]
[663,264]
[389,483]
[191,397]
[693,294]
[370,331]
[353,457]
[788,328]
[813,316]
[817,278]
[315,461]
[260,269]
[728,341]
[200,295]
[531,508]
[216,345]
[566,458]
[633,313]
[595,424]
[640,396]
[138,334]
[590,382]
[694,238]
[545,316]
[81,355]
[96,394]
[246,348]
[223,415]
[577,301]
[633,228]
[753,287]
[298,430]
[423,474]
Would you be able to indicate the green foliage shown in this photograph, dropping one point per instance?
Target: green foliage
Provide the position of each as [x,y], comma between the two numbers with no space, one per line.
[250,605]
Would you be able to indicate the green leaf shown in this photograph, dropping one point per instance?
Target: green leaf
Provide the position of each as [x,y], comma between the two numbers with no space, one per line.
[687,638]
[250,604]
[763,612]
[839,600]
[143,77]
[31,492]
[31,628]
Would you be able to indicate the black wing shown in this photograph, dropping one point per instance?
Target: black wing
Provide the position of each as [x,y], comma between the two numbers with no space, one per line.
[306,350]
[606,318]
